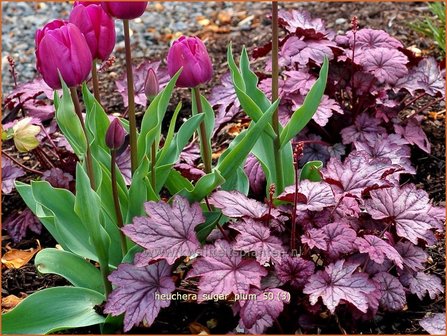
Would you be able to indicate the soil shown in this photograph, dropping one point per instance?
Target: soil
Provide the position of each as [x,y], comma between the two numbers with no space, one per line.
[184,317]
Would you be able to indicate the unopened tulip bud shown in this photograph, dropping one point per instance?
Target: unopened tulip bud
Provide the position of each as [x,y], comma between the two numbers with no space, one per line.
[190,54]
[151,85]
[115,135]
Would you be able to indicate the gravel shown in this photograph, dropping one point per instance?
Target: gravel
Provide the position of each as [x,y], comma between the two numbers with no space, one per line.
[160,19]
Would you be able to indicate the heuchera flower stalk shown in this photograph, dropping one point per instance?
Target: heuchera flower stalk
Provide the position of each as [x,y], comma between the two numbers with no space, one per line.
[98,28]
[61,47]
[124,10]
[190,54]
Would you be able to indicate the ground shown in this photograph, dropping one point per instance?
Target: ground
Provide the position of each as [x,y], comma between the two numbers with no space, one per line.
[218,24]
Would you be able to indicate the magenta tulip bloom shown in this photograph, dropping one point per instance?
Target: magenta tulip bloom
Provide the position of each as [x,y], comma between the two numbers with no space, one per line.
[190,53]
[124,10]
[98,28]
[60,46]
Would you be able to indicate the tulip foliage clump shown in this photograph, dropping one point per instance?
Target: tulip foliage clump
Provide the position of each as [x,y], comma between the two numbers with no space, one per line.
[302,218]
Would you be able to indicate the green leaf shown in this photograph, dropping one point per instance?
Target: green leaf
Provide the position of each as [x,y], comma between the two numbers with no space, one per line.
[55,209]
[78,271]
[204,186]
[203,230]
[176,182]
[70,124]
[153,118]
[238,153]
[170,134]
[304,114]
[249,106]
[88,207]
[54,309]
[238,181]
[140,191]
[251,83]
[130,255]
[311,171]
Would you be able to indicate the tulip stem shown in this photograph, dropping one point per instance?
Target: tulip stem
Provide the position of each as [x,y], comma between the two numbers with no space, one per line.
[131,100]
[153,161]
[275,120]
[95,81]
[116,201]
[88,154]
[204,141]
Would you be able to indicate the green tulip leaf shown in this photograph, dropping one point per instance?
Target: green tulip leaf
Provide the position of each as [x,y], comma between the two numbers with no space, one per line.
[311,171]
[78,271]
[211,220]
[53,309]
[304,114]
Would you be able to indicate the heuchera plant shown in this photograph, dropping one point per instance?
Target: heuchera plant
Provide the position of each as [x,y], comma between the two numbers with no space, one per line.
[328,227]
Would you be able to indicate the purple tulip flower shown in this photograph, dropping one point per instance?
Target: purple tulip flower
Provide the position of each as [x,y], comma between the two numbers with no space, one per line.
[61,46]
[98,28]
[124,10]
[191,54]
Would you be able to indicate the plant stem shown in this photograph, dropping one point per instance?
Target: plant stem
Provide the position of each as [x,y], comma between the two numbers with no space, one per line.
[295,202]
[275,120]
[105,271]
[204,143]
[31,170]
[95,81]
[88,154]
[153,161]
[116,201]
[131,100]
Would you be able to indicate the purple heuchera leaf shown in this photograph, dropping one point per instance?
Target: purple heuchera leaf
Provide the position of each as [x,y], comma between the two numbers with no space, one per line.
[422,283]
[378,249]
[338,282]
[223,271]
[260,313]
[334,238]
[405,207]
[426,76]
[137,290]
[295,50]
[224,97]
[256,237]
[387,65]
[340,238]
[413,257]
[315,238]
[9,174]
[294,19]
[123,163]
[57,178]
[298,81]
[365,128]
[294,270]
[358,173]
[17,226]
[372,38]
[434,324]
[255,174]
[139,75]
[392,292]
[414,134]
[312,196]
[391,147]
[168,232]
[235,204]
